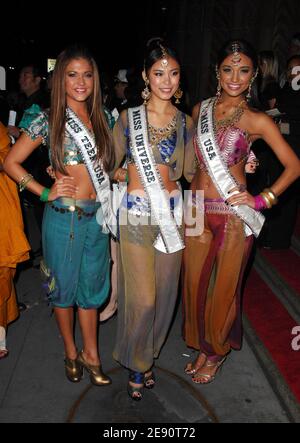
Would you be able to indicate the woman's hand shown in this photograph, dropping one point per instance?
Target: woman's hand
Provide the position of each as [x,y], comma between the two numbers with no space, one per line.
[240,198]
[63,187]
[120,175]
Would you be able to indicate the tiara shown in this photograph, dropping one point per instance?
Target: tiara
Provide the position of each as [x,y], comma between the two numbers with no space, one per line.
[236,58]
[164,61]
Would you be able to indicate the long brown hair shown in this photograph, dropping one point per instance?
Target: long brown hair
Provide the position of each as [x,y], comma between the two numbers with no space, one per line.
[57,118]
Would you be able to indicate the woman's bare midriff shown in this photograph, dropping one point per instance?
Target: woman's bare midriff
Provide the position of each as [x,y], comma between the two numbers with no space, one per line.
[202,180]
[135,186]
[82,180]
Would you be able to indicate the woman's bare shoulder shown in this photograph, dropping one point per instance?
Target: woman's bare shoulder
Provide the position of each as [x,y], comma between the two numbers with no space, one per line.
[257,117]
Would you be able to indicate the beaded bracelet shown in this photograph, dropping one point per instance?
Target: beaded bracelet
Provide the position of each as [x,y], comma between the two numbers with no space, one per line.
[44,195]
[24,181]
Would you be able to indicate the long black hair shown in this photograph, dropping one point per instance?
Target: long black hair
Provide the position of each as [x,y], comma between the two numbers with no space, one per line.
[247,49]
[156,48]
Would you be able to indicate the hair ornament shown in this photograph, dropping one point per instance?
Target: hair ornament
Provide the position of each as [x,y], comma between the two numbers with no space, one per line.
[164,61]
[236,58]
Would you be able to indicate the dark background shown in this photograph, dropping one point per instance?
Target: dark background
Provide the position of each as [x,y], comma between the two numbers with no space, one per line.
[116,32]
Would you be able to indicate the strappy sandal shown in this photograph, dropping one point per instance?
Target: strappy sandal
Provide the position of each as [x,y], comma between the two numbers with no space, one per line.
[149,380]
[136,392]
[208,378]
[192,367]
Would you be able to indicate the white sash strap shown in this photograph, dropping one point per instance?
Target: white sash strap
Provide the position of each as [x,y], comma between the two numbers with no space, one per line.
[169,239]
[219,172]
[86,143]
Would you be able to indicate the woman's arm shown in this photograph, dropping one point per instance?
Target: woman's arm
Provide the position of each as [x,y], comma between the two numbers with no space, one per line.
[13,167]
[264,127]
[270,133]
[195,112]
[119,139]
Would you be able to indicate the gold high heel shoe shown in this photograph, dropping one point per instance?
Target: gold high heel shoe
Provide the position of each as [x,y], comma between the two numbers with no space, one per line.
[202,378]
[74,371]
[97,376]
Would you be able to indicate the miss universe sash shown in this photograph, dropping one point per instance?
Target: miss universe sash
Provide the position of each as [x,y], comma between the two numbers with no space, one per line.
[86,143]
[169,239]
[219,172]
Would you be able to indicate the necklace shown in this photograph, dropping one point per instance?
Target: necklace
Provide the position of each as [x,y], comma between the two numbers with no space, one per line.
[158,134]
[232,119]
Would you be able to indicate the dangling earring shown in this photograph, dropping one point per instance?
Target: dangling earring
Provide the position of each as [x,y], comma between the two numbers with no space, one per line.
[219,88]
[248,96]
[218,93]
[178,94]
[146,93]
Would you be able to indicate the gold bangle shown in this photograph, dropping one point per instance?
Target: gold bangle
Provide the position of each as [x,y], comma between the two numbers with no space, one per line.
[272,195]
[24,181]
[267,199]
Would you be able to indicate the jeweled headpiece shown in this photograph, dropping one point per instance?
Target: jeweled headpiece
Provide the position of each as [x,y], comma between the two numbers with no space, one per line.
[164,62]
[236,58]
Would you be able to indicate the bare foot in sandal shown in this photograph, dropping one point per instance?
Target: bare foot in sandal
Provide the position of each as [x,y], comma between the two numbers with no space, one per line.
[192,367]
[208,372]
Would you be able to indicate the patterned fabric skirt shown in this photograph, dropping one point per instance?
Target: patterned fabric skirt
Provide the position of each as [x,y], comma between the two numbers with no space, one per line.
[76,263]
[213,266]
[147,286]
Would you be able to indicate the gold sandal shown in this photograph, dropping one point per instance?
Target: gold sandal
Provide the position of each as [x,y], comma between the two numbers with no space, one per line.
[208,378]
[192,367]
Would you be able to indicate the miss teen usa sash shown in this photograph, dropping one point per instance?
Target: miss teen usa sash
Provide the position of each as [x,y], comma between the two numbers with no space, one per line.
[169,239]
[86,143]
[219,172]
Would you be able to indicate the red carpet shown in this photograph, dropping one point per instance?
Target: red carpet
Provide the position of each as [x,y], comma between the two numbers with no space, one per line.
[273,325]
[286,263]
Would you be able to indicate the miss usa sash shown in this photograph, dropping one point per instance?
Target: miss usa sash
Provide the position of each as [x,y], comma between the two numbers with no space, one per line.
[86,143]
[169,239]
[219,172]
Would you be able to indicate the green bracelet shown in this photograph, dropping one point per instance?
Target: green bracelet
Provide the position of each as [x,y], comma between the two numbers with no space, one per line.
[44,195]
[126,177]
